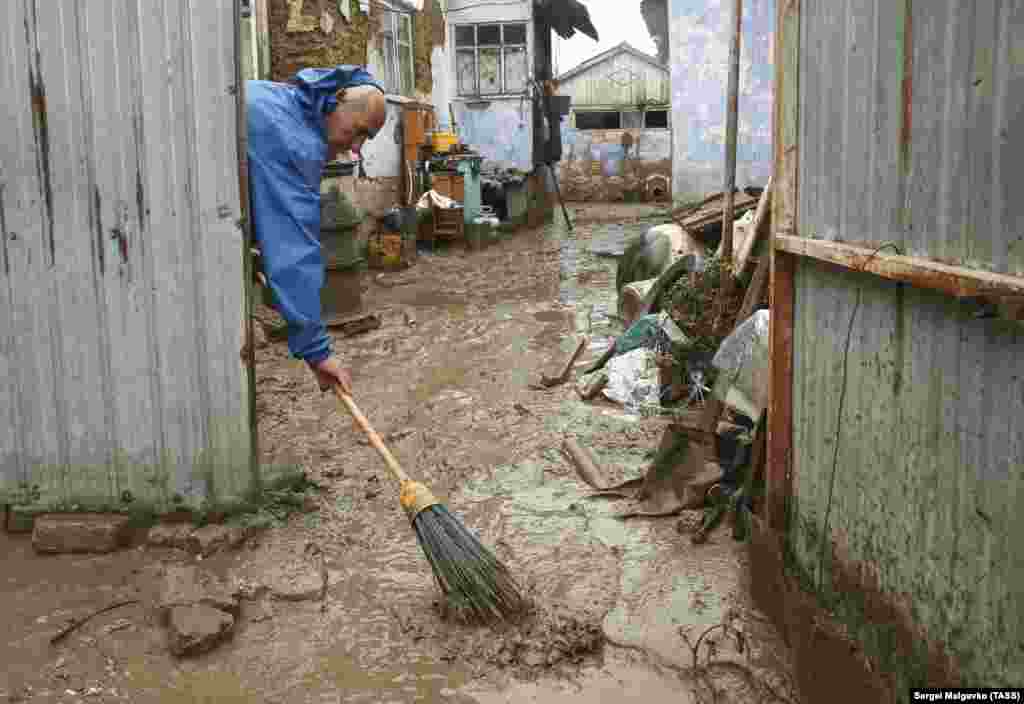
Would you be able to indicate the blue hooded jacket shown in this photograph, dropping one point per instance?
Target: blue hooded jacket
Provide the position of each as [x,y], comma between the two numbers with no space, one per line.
[287,152]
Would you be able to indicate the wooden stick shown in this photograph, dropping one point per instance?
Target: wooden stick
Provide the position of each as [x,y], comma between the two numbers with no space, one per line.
[371,434]
[757,230]
[756,289]
[732,119]
[78,623]
[728,207]
[586,465]
[563,376]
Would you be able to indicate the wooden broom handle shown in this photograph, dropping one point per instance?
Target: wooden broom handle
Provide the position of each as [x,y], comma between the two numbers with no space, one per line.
[378,444]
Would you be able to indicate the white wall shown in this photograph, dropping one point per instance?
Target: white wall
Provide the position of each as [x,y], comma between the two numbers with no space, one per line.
[501,131]
[382,155]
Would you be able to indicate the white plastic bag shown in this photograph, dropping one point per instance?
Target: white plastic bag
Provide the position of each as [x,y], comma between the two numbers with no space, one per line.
[742,360]
[633,379]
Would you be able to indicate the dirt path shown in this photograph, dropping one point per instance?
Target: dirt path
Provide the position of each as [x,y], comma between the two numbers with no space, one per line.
[446,379]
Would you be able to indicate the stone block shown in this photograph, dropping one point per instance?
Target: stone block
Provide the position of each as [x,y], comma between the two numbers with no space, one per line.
[188,585]
[196,629]
[79,533]
[170,535]
[212,538]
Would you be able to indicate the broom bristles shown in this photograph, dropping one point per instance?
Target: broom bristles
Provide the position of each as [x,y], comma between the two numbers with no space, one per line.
[475,583]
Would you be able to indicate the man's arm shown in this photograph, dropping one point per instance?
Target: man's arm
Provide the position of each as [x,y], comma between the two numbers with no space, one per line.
[285,222]
[294,268]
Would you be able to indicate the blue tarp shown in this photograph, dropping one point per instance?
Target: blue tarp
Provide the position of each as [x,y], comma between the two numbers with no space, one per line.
[287,152]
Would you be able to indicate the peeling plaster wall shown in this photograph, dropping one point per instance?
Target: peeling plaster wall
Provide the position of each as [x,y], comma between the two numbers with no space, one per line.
[699,36]
[500,132]
[606,165]
[298,39]
[382,155]
[498,128]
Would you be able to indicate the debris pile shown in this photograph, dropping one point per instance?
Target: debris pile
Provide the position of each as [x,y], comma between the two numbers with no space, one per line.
[693,339]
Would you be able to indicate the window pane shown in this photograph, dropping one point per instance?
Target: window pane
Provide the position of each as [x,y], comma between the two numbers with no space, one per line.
[391,67]
[465,72]
[488,34]
[657,119]
[464,35]
[515,34]
[405,65]
[515,70]
[490,73]
[405,28]
[597,120]
[632,120]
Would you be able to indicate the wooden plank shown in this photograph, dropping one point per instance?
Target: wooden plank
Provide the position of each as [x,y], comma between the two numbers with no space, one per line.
[712,212]
[956,281]
[778,468]
[732,117]
[756,289]
[756,231]
[778,476]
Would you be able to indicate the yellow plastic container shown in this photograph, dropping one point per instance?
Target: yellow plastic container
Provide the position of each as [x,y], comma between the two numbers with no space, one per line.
[442,142]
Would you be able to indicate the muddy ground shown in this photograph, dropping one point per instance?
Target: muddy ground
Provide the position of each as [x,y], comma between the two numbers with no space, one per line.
[447,380]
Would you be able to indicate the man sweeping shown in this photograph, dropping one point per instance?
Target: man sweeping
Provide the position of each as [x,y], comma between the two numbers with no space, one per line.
[294,129]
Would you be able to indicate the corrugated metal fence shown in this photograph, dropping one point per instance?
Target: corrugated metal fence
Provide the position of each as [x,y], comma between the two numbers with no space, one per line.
[121,280]
[906,120]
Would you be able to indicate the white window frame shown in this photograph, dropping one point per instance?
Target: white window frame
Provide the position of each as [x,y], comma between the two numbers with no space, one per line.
[501,47]
[391,45]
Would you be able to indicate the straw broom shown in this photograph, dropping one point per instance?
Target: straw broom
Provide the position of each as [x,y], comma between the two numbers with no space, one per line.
[476,585]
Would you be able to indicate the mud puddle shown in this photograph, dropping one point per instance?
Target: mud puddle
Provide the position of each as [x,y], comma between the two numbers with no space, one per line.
[446,380]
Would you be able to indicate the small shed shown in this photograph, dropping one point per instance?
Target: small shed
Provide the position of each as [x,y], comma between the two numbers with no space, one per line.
[617,138]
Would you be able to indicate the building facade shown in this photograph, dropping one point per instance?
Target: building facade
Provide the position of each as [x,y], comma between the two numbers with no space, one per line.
[617,138]
[699,35]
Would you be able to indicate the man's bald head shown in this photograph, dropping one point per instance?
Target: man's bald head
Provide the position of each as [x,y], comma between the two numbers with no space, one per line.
[359,116]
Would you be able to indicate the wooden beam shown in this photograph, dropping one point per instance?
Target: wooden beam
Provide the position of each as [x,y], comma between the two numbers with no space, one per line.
[778,466]
[732,119]
[757,230]
[956,281]
[755,291]
[778,475]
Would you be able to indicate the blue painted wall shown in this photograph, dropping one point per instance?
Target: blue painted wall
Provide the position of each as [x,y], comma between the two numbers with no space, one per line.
[500,132]
[621,169]
[699,35]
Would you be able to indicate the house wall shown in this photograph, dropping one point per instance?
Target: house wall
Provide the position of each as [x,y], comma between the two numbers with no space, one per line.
[620,80]
[615,165]
[500,129]
[907,499]
[122,281]
[298,40]
[700,32]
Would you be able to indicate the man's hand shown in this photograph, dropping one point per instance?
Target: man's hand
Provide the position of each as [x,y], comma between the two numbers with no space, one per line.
[331,372]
